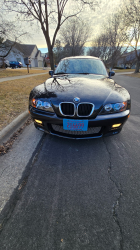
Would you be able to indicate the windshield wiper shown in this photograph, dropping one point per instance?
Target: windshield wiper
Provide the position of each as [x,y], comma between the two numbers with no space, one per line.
[60,73]
[83,73]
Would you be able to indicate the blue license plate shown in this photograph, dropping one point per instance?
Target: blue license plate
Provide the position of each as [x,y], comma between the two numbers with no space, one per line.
[75,125]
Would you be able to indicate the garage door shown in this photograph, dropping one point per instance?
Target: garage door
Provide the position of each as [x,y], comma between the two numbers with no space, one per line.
[40,64]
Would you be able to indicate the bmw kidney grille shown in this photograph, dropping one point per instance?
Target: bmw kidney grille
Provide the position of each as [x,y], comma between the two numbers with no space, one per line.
[81,109]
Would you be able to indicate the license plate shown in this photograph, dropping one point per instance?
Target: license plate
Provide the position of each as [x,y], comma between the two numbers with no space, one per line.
[75,125]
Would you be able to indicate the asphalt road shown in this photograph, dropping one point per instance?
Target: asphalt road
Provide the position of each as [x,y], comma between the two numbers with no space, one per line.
[80,195]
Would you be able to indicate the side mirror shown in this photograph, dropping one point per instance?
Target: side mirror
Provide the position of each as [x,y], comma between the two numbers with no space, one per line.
[51,72]
[111,73]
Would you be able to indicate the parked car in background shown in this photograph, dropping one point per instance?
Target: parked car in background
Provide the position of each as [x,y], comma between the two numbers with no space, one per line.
[14,64]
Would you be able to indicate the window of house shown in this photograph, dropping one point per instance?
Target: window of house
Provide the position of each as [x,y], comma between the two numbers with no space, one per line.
[18,59]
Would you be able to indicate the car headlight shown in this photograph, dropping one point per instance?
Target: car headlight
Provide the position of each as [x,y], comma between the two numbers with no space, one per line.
[43,105]
[114,108]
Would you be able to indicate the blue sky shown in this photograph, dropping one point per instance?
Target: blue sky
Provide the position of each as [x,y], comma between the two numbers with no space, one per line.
[43,50]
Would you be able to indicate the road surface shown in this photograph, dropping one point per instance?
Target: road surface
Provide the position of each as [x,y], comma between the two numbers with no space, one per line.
[79,195]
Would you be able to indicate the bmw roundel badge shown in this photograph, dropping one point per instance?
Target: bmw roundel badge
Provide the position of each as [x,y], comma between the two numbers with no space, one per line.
[76,99]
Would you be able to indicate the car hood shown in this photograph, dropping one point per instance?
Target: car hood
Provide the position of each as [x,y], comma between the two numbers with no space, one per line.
[96,89]
[91,88]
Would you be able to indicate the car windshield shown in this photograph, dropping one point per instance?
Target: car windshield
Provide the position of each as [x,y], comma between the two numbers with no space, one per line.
[81,66]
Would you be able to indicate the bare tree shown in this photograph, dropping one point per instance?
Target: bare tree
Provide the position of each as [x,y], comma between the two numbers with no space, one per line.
[47,13]
[10,33]
[72,39]
[108,46]
[100,47]
[58,51]
[131,18]
[74,35]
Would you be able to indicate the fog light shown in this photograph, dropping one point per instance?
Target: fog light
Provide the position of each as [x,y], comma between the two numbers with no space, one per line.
[38,121]
[116,125]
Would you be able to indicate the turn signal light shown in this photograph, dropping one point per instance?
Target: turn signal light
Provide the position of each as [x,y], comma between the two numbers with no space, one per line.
[38,121]
[34,102]
[116,125]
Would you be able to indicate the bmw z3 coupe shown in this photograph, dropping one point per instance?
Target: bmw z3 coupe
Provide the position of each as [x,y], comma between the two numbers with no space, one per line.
[80,100]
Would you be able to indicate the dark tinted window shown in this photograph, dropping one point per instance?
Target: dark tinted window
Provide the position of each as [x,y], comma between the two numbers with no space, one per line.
[81,66]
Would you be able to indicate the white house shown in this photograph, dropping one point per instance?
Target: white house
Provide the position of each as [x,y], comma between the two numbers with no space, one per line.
[128,59]
[21,51]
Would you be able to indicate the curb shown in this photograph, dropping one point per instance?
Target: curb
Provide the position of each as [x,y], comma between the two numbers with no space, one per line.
[8,131]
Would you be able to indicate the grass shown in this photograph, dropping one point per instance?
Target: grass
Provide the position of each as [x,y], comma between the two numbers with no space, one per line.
[123,70]
[126,71]
[19,72]
[134,75]
[14,97]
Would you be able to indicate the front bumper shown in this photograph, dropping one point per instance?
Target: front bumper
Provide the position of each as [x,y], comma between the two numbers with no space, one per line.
[104,122]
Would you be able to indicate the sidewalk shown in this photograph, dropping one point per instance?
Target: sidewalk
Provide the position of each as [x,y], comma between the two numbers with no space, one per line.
[20,77]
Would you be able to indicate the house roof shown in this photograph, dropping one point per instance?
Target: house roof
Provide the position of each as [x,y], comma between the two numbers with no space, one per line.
[26,49]
[129,53]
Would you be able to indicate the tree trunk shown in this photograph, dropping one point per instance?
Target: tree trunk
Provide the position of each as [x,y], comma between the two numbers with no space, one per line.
[51,57]
[3,63]
[137,66]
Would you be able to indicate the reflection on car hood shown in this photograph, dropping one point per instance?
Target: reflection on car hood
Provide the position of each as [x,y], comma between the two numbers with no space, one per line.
[96,89]
[91,88]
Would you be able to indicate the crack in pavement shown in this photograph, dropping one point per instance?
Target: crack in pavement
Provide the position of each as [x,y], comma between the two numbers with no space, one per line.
[11,204]
[117,202]
[3,171]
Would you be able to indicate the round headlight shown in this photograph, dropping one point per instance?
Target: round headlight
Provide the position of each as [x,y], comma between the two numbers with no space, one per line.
[120,106]
[39,104]
[108,107]
[117,106]
[43,105]
[47,105]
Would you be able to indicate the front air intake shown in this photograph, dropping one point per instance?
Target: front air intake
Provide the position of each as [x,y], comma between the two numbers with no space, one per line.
[67,108]
[85,109]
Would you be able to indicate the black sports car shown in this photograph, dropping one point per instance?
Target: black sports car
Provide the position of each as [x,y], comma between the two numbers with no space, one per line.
[80,100]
